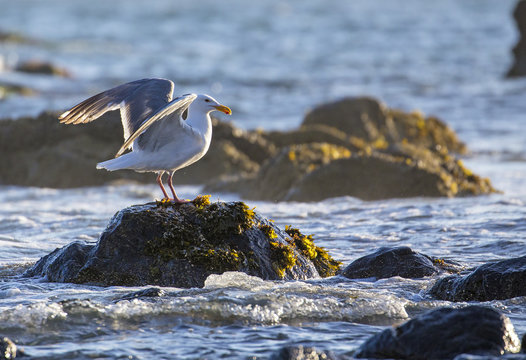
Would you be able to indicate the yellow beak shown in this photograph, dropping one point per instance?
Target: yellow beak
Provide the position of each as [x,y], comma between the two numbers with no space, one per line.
[224,109]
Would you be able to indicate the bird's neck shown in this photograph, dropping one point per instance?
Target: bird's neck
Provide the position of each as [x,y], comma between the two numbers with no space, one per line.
[200,122]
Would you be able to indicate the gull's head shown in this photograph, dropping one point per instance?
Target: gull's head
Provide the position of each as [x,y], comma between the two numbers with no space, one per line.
[207,104]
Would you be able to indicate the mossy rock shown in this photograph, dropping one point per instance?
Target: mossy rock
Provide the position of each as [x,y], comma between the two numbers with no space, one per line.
[368,119]
[39,151]
[181,245]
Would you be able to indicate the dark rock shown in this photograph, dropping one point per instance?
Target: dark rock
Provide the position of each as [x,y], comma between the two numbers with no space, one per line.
[395,261]
[8,349]
[519,51]
[353,147]
[151,292]
[444,333]
[42,152]
[42,67]
[493,281]
[181,245]
[302,353]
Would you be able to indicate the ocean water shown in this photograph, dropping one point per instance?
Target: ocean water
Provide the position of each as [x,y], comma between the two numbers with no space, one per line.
[269,61]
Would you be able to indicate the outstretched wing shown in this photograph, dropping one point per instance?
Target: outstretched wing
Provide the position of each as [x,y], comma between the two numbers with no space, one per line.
[137,101]
[171,112]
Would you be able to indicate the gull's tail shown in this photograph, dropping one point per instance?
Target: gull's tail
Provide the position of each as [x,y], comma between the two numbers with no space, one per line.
[122,162]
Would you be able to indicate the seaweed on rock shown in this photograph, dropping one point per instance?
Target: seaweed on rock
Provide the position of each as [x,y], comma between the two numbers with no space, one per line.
[181,245]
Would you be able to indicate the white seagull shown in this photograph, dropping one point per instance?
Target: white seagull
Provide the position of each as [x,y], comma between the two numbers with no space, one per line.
[154,129]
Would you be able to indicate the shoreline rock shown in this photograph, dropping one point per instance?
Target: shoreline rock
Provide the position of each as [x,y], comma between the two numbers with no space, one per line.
[400,261]
[493,281]
[181,245]
[444,333]
[353,147]
[359,147]
[518,68]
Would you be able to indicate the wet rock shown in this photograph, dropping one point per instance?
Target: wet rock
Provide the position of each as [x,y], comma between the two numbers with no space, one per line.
[382,153]
[181,245]
[519,51]
[151,292]
[250,143]
[396,261]
[279,175]
[42,67]
[354,147]
[301,352]
[41,152]
[316,171]
[8,349]
[499,280]
[372,121]
[443,334]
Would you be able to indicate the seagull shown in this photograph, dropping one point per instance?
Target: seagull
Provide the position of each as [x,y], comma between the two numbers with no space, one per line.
[164,134]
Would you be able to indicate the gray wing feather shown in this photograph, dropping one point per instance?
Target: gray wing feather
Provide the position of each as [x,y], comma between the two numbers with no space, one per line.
[137,100]
[170,112]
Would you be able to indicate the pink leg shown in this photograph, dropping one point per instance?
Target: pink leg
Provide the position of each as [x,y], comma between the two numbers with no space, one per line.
[160,182]
[176,199]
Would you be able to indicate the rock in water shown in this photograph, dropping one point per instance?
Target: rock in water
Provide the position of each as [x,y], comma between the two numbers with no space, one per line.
[519,51]
[493,281]
[181,245]
[358,147]
[396,261]
[443,334]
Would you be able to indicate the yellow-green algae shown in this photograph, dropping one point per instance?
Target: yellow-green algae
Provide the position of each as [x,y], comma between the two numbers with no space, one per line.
[203,237]
[282,257]
[268,231]
[323,262]
[207,235]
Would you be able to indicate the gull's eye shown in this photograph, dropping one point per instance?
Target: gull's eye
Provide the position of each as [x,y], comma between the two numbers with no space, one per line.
[207,100]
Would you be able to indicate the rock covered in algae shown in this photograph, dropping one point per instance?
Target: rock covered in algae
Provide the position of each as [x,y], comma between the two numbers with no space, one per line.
[39,151]
[359,147]
[352,147]
[443,334]
[181,245]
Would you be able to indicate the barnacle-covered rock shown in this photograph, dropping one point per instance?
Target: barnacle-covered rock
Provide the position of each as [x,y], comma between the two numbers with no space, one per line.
[181,245]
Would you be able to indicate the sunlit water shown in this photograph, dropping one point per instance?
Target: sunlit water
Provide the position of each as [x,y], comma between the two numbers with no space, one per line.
[270,61]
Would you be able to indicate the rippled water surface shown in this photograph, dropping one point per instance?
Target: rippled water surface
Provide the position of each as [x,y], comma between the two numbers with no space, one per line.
[270,61]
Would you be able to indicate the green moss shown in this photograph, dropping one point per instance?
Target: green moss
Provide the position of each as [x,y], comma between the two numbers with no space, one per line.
[321,259]
[282,257]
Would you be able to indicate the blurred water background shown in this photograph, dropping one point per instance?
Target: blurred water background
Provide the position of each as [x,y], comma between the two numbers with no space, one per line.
[270,61]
